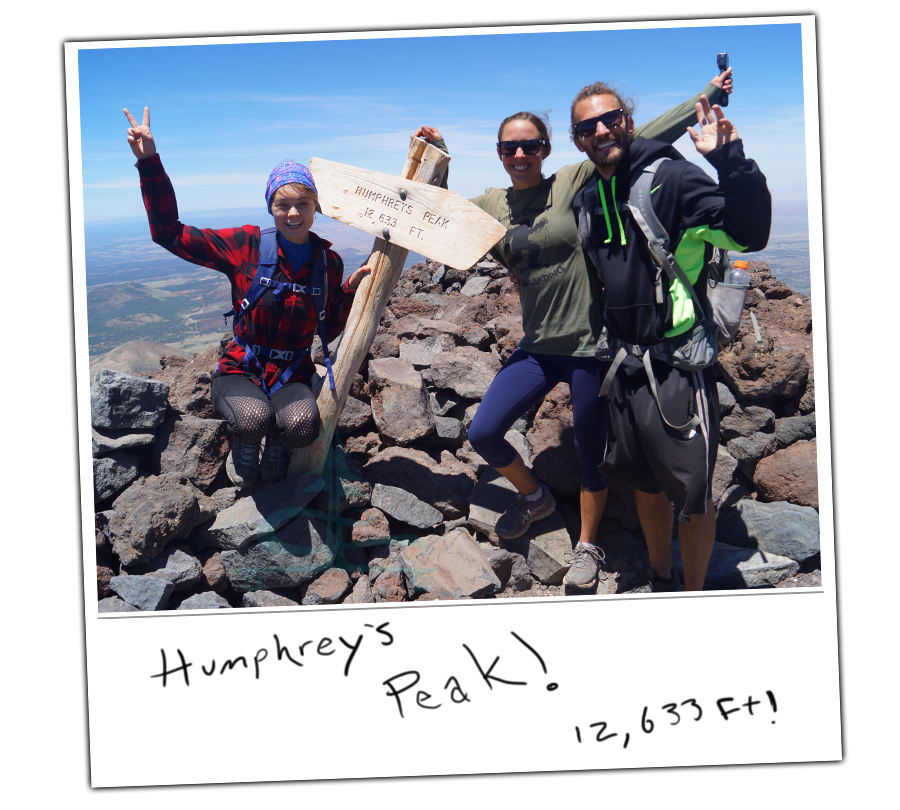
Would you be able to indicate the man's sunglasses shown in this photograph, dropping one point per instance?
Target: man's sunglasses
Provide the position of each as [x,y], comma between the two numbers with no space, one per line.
[532,147]
[584,129]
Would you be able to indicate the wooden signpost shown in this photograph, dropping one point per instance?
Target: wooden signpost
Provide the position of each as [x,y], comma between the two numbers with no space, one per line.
[406,212]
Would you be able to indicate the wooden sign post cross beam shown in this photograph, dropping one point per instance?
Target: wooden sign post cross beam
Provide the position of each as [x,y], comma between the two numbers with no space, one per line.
[409,212]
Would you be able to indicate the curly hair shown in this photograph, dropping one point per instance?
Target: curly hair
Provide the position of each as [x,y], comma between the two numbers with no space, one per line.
[601,89]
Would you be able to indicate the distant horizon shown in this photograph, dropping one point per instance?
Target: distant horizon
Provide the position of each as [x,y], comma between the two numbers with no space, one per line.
[363,117]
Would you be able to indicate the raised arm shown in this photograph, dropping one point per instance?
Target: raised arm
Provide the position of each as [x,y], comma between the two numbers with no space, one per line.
[735,214]
[670,126]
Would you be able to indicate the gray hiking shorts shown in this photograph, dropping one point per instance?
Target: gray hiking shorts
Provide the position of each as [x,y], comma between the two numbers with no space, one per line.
[645,453]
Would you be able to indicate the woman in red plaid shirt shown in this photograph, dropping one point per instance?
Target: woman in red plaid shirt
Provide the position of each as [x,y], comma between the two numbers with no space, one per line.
[261,385]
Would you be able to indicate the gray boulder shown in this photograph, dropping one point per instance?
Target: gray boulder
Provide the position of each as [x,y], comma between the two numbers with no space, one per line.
[113,473]
[296,554]
[723,474]
[106,440]
[400,403]
[746,422]
[420,353]
[144,593]
[112,604]
[450,567]
[176,564]
[404,506]
[153,512]
[193,446]
[792,429]
[780,528]
[748,450]
[445,486]
[263,513]
[465,370]
[475,285]
[208,600]
[731,567]
[355,416]
[122,401]
[257,599]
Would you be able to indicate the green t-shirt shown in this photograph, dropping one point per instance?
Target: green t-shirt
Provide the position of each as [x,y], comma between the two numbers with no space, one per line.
[558,288]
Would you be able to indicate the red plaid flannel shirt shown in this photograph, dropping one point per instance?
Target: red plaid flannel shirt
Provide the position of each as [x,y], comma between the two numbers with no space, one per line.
[288,324]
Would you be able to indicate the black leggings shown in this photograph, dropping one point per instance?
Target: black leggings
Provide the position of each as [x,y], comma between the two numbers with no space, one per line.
[291,411]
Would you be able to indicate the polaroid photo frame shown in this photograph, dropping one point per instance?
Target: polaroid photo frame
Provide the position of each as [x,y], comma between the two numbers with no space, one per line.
[613,682]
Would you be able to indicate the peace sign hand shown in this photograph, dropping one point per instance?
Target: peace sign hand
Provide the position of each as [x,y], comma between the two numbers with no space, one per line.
[139,138]
[713,132]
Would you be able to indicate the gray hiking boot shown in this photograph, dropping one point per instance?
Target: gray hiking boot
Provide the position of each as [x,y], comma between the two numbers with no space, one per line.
[521,513]
[656,585]
[584,561]
[276,458]
[242,466]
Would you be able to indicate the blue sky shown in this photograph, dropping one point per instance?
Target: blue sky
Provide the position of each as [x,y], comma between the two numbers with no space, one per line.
[224,114]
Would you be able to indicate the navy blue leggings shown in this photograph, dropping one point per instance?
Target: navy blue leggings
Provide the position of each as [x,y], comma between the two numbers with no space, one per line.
[524,381]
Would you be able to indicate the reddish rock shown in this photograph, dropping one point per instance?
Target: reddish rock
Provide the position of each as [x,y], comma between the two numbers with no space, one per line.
[104,575]
[372,526]
[552,440]
[390,586]
[753,373]
[444,486]
[359,388]
[807,402]
[789,475]
[362,448]
[464,309]
[355,416]
[385,344]
[330,588]
[508,331]
[189,383]
[403,307]
[413,326]
[213,571]
[192,446]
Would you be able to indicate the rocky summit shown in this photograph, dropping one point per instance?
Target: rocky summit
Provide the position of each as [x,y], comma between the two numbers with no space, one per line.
[405,508]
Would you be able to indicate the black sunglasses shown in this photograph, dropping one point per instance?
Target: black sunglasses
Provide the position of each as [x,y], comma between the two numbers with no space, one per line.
[531,147]
[584,129]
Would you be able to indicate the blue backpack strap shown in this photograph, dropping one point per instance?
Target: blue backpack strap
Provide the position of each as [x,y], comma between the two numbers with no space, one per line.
[263,278]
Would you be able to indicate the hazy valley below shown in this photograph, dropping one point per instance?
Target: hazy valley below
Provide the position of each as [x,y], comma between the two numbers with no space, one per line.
[144,302]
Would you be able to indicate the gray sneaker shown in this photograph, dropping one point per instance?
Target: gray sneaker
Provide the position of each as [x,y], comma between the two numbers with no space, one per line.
[521,513]
[656,585]
[584,561]
[242,466]
[276,459]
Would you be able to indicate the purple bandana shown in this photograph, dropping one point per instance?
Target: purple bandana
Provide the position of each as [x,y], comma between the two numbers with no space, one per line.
[289,172]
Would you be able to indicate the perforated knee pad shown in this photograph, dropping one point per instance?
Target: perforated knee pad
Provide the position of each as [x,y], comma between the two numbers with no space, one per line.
[250,419]
[299,423]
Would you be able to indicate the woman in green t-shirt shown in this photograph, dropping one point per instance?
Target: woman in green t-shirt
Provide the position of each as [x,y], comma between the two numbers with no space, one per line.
[561,324]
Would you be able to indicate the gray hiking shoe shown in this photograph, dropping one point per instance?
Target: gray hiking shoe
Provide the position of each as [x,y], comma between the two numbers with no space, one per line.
[242,466]
[584,561]
[276,458]
[521,513]
[656,585]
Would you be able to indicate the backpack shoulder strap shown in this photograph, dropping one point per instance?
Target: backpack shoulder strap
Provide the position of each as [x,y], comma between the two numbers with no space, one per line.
[265,270]
[319,293]
[657,237]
